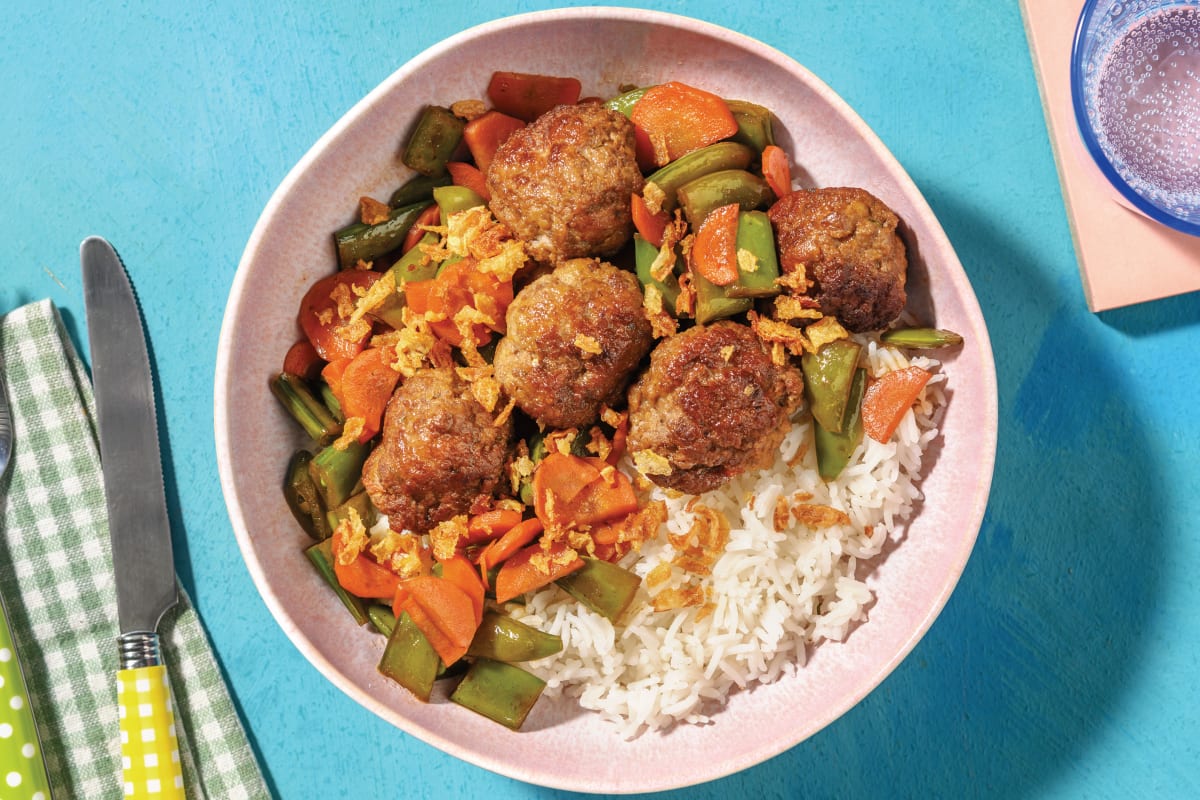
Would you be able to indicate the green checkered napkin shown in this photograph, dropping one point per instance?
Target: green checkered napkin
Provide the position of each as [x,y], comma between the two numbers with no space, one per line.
[57,582]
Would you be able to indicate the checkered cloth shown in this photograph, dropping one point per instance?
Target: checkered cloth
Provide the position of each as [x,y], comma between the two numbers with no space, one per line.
[57,582]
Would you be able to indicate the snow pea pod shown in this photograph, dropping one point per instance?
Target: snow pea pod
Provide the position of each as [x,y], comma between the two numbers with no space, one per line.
[362,242]
[409,659]
[644,255]
[834,449]
[302,497]
[433,141]
[754,124]
[697,164]
[321,557]
[717,189]
[603,587]
[499,691]
[828,375]
[502,638]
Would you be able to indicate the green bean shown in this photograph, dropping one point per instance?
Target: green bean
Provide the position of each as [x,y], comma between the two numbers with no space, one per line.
[754,124]
[453,199]
[433,141]
[502,638]
[305,408]
[418,189]
[828,375]
[336,472]
[302,497]
[321,556]
[362,242]
[499,691]
[921,338]
[359,502]
[382,618]
[409,659]
[624,102]
[756,237]
[603,587]
[697,164]
[834,449]
[717,189]
[644,257]
[331,402]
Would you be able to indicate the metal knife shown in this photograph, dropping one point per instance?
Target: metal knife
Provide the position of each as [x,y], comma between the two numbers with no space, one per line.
[137,521]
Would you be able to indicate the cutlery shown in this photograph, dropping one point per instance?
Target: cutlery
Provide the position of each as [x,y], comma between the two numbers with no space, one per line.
[137,518]
[21,763]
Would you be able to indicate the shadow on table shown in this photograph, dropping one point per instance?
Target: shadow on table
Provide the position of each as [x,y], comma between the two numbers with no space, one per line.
[1042,636]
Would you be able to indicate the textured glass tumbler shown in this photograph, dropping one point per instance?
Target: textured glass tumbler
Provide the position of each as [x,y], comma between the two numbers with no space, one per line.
[1135,85]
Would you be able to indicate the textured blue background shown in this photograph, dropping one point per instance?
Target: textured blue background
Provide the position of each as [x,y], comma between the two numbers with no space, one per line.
[1065,663]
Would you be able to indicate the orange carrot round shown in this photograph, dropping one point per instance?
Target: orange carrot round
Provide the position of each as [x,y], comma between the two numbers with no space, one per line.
[776,170]
[888,398]
[486,133]
[682,118]
[523,573]
[468,175]
[442,611]
[714,253]
[650,226]
[366,386]
[302,360]
[363,577]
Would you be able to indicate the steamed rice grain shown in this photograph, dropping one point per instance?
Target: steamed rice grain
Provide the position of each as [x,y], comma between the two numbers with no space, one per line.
[772,594]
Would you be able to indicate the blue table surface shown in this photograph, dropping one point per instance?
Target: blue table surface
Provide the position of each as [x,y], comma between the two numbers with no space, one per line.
[1064,665]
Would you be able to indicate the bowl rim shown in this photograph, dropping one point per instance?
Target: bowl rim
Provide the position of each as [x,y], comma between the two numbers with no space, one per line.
[721,767]
[1092,142]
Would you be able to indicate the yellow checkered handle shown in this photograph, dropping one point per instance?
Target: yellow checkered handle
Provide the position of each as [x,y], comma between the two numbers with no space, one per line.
[149,747]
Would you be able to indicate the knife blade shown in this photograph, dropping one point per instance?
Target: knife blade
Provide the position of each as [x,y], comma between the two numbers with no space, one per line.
[143,562]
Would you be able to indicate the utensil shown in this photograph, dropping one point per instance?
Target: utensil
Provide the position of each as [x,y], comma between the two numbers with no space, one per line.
[137,520]
[21,761]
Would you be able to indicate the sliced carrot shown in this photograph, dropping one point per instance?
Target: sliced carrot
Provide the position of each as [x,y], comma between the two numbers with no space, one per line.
[776,170]
[366,387]
[491,524]
[620,439]
[459,571]
[524,573]
[643,150]
[486,133]
[319,312]
[527,97]
[430,216]
[442,611]
[682,118]
[570,490]
[302,360]
[363,577]
[714,252]
[332,374]
[650,226]
[563,477]
[464,174]
[888,398]
[457,286]
[513,540]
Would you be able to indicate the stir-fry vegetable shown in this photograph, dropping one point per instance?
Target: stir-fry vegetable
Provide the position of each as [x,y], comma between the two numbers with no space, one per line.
[425,280]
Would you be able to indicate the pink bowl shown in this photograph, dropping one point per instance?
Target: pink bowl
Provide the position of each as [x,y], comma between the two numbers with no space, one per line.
[291,247]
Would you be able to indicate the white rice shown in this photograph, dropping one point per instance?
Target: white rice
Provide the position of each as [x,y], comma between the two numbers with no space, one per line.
[774,594]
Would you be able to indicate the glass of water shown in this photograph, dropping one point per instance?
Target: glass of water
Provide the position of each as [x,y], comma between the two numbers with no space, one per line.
[1135,84]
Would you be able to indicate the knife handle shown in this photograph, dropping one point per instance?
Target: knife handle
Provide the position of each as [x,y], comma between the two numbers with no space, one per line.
[149,747]
[21,761]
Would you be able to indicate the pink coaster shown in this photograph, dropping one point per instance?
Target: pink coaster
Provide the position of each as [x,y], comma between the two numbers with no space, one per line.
[1124,257]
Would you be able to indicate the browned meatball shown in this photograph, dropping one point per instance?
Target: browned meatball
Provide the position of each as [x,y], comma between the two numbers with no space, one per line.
[713,405]
[441,451]
[575,338]
[562,184]
[846,240]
